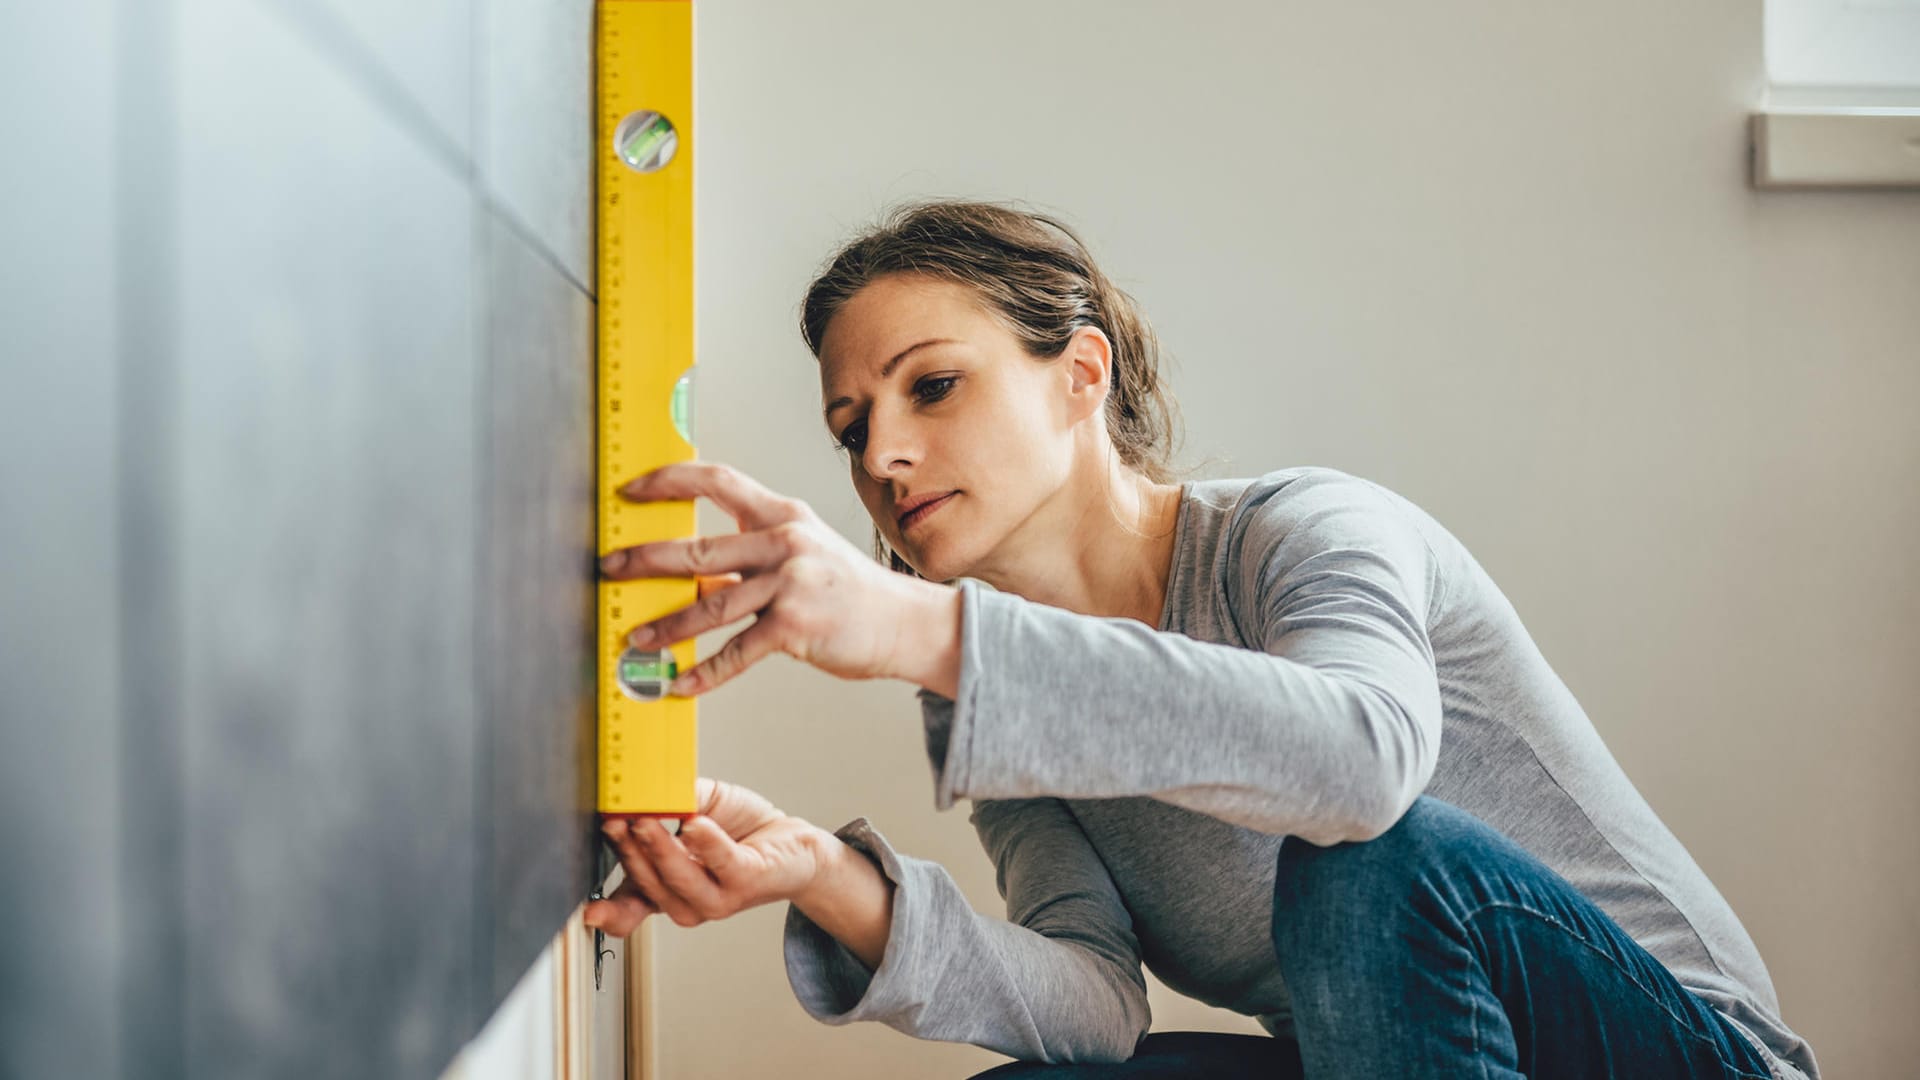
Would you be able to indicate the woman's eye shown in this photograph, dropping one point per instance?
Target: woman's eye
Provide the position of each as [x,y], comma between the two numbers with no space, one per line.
[945,382]
[854,439]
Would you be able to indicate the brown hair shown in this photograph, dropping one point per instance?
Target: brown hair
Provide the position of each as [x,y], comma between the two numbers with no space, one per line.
[1034,275]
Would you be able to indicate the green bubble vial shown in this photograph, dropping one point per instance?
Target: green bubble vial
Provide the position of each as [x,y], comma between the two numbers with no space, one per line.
[644,674]
[646,141]
[682,405]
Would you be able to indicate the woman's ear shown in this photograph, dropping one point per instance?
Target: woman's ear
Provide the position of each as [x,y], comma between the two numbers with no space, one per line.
[1089,366]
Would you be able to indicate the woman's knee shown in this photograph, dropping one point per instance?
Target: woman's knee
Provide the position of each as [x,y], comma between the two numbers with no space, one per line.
[1424,832]
[1357,880]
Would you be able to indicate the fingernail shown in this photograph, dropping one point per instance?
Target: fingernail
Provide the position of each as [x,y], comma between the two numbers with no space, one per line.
[613,561]
[684,685]
[640,637]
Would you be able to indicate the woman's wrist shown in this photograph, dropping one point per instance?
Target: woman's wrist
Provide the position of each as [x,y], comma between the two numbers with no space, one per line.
[848,897]
[929,642]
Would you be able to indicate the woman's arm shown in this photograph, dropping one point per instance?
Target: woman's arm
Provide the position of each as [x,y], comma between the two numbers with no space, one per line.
[1326,726]
[872,935]
[1058,980]
[849,899]
[929,652]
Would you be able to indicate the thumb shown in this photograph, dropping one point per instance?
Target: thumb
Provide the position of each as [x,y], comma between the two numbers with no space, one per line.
[708,842]
[732,809]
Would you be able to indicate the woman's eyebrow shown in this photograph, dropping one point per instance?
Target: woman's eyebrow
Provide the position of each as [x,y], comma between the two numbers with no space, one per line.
[842,402]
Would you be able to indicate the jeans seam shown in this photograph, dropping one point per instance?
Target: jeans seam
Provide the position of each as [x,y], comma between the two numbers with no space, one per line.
[1614,850]
[1622,969]
[1479,1055]
[1758,1048]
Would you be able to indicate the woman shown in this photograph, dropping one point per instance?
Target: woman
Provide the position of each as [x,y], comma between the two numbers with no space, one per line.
[1280,738]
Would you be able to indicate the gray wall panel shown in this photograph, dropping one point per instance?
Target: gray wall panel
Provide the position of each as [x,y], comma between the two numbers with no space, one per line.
[296,530]
[537,604]
[59,940]
[535,113]
[326,508]
[414,53]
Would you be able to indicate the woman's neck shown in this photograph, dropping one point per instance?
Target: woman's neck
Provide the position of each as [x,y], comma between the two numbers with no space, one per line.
[1104,547]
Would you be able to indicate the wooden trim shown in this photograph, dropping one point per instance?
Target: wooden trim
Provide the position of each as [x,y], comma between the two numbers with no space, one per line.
[568,1048]
[643,1058]
[594,1026]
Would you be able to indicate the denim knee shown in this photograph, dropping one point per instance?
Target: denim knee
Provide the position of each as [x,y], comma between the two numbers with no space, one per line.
[1364,880]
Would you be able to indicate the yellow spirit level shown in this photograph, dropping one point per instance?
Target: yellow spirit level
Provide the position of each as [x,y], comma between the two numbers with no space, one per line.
[643,150]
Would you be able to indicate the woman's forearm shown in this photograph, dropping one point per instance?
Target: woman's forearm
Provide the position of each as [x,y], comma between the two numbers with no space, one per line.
[850,899]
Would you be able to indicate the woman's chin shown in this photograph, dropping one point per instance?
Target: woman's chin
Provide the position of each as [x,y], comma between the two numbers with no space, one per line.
[914,558]
[936,563]
[937,550]
[923,556]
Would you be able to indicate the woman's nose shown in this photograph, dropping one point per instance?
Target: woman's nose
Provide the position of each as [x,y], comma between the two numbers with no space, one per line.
[888,447]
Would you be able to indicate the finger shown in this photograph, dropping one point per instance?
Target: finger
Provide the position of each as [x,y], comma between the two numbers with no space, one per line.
[707,841]
[726,606]
[617,830]
[678,870]
[755,551]
[620,913]
[637,861]
[713,797]
[708,584]
[742,651]
[734,810]
[749,502]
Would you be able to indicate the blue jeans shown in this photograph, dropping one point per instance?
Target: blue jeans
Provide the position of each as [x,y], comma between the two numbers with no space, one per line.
[1443,949]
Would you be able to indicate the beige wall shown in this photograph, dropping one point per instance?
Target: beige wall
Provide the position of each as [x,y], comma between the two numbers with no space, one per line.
[1501,258]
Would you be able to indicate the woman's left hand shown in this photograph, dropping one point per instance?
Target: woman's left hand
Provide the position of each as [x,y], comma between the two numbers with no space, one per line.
[736,852]
[817,597]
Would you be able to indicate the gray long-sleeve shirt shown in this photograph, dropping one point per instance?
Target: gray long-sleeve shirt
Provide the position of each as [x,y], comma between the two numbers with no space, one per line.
[1327,652]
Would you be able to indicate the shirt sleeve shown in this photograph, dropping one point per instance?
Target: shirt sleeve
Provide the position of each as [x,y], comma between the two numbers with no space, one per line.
[1058,981]
[1328,730]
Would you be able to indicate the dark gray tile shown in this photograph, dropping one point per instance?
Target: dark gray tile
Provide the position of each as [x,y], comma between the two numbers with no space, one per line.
[535,64]
[59,616]
[537,596]
[327,367]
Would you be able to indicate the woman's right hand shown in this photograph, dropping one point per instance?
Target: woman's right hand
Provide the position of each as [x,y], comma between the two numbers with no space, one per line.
[738,851]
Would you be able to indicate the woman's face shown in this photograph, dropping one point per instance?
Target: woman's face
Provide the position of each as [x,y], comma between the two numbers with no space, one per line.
[971,417]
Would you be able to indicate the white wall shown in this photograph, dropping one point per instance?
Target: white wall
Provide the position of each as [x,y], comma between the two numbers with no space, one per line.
[520,1039]
[1502,258]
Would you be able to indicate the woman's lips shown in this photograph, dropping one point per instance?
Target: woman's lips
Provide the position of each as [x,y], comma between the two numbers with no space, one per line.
[918,513]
